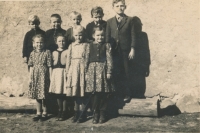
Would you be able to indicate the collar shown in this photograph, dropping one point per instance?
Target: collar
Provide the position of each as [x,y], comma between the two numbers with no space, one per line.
[120,16]
[95,23]
[77,43]
[96,43]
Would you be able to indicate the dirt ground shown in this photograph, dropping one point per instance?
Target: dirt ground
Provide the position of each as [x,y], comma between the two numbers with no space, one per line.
[20,123]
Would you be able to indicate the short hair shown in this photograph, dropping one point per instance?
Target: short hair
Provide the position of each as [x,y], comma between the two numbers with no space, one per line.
[116,1]
[57,16]
[98,28]
[34,19]
[38,36]
[97,11]
[59,35]
[75,13]
[79,29]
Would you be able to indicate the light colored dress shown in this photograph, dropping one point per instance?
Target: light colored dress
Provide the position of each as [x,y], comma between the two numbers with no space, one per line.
[39,84]
[58,78]
[75,69]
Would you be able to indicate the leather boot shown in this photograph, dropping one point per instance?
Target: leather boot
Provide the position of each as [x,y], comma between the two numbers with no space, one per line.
[102,118]
[82,118]
[58,115]
[63,116]
[75,117]
[96,117]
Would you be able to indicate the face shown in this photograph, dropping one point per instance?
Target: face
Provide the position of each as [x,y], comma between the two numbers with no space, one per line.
[78,36]
[55,22]
[38,44]
[76,20]
[119,7]
[33,25]
[97,19]
[60,42]
[99,36]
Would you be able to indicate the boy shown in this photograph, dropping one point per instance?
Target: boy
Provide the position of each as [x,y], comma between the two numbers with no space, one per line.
[34,23]
[97,15]
[75,18]
[52,33]
[120,34]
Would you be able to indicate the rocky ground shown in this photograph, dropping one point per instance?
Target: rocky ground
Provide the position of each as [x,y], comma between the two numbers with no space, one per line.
[20,123]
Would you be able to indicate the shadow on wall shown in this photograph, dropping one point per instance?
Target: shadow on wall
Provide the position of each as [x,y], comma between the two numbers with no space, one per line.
[140,66]
[139,69]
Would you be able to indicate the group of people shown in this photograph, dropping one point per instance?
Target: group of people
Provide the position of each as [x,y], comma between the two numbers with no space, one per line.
[81,65]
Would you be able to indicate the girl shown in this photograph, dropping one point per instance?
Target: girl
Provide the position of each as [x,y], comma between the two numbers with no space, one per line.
[57,85]
[75,71]
[34,23]
[40,70]
[99,70]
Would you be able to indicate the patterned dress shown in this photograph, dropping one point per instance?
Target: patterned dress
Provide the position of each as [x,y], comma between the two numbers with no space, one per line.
[58,77]
[39,84]
[99,60]
[75,69]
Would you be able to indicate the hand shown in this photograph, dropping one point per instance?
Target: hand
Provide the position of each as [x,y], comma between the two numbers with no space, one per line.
[108,76]
[25,59]
[131,54]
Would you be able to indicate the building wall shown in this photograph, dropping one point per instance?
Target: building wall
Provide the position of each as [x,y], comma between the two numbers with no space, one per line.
[172,27]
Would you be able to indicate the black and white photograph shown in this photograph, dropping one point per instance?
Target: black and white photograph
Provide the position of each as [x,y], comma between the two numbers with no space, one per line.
[99,66]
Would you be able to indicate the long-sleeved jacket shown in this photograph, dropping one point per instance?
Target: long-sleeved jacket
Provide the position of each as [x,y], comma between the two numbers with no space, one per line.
[120,34]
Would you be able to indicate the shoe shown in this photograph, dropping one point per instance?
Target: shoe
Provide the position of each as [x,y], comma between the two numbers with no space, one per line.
[63,116]
[83,117]
[44,117]
[75,117]
[37,118]
[127,98]
[96,117]
[102,118]
[58,116]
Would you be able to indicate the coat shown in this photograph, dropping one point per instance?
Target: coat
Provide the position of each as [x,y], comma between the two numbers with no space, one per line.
[121,35]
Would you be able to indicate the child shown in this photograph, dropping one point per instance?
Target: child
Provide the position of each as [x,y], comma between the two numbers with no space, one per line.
[99,73]
[57,85]
[75,71]
[34,23]
[40,70]
[97,15]
[52,33]
[76,19]
[120,33]
[141,63]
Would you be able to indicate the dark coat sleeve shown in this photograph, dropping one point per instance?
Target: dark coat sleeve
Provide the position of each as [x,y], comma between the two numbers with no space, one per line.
[132,34]
[25,46]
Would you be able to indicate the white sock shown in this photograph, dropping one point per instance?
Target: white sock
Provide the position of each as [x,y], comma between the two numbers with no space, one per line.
[44,113]
[38,113]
